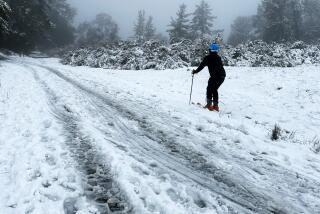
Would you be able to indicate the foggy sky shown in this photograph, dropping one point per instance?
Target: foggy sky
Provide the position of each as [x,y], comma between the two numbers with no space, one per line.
[124,12]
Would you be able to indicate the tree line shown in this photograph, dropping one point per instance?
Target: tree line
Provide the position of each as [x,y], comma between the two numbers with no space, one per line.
[27,25]
[279,21]
[198,24]
[43,24]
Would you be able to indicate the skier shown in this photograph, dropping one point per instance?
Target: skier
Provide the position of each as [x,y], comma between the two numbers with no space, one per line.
[217,76]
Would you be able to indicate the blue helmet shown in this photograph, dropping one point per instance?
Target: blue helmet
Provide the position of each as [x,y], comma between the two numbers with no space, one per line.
[214,47]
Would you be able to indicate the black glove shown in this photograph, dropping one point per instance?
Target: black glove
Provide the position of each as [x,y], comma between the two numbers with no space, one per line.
[194,72]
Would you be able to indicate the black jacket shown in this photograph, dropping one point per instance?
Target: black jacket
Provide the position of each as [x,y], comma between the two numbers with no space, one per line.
[215,66]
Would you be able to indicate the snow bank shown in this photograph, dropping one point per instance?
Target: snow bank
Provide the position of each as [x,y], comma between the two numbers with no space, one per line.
[130,55]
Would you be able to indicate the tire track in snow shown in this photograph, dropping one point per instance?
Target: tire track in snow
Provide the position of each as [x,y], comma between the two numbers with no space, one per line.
[100,188]
[207,176]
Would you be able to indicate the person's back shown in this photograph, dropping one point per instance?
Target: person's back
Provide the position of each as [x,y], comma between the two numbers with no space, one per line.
[215,65]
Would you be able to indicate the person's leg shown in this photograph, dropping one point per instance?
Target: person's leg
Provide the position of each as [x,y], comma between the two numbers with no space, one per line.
[210,90]
[215,97]
[215,94]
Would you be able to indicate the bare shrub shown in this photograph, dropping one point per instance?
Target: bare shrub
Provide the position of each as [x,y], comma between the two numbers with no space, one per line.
[276,133]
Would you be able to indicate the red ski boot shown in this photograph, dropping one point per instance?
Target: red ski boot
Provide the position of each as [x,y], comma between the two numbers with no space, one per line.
[209,107]
[215,108]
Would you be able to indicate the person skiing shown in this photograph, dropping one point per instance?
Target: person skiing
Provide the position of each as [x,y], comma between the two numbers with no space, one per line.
[217,76]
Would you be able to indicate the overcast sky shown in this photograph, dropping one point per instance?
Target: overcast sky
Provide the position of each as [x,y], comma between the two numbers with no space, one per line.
[124,12]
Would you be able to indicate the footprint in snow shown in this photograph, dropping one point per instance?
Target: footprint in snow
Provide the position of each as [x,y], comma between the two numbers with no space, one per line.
[27,134]
[47,124]
[50,159]
[174,196]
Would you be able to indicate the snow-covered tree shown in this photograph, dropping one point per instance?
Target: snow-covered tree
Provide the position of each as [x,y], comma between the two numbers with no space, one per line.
[38,23]
[202,21]
[242,30]
[139,27]
[101,30]
[4,17]
[180,26]
[150,30]
[28,24]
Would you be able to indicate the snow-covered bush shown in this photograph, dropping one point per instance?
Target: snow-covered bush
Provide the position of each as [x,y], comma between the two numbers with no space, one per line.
[130,55]
[259,53]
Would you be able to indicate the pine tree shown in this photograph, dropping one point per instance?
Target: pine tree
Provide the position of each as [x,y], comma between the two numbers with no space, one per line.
[259,23]
[63,8]
[101,30]
[311,20]
[4,18]
[150,30]
[61,15]
[202,22]
[139,28]
[294,13]
[241,30]
[28,23]
[179,27]
[114,33]
[105,28]
[276,26]
[39,23]
[280,20]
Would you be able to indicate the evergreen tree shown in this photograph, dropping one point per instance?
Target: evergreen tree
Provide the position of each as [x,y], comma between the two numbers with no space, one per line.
[280,20]
[28,24]
[259,23]
[4,18]
[139,28]
[276,26]
[242,30]
[202,22]
[150,30]
[311,20]
[102,29]
[294,13]
[179,27]
[61,16]
[81,33]
[39,23]
[63,8]
[106,29]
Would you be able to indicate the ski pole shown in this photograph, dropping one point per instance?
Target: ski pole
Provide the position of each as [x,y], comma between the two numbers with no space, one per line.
[191,89]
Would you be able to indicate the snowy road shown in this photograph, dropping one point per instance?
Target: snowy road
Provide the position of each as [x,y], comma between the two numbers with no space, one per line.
[96,141]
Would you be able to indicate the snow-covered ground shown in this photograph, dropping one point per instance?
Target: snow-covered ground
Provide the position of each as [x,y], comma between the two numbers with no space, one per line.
[85,140]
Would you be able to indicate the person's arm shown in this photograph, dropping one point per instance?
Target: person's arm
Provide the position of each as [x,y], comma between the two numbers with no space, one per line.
[201,66]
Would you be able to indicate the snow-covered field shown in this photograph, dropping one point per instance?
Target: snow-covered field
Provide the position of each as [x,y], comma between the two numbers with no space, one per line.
[84,140]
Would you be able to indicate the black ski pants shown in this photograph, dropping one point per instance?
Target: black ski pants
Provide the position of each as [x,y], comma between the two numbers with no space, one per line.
[212,89]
